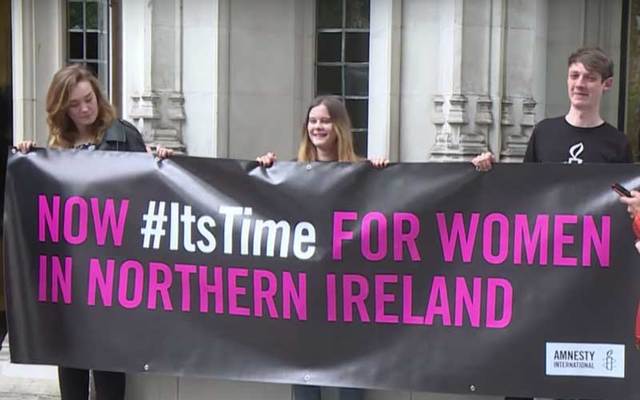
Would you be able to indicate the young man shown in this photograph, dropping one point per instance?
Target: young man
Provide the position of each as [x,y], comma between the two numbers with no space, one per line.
[581,135]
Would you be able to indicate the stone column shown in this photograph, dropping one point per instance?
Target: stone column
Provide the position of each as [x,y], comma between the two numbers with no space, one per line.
[525,58]
[463,112]
[384,78]
[159,109]
[496,62]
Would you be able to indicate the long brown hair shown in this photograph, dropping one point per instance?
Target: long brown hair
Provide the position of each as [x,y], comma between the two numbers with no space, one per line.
[341,125]
[61,127]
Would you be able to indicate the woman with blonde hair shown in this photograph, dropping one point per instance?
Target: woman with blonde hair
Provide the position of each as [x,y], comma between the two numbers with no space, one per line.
[326,135]
[80,117]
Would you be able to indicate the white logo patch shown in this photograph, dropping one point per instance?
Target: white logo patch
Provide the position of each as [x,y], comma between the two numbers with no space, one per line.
[574,154]
[585,359]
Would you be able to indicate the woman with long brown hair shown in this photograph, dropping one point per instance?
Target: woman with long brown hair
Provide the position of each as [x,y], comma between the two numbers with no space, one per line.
[80,116]
[325,135]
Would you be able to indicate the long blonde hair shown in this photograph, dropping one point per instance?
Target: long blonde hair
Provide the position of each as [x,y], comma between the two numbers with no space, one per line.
[341,125]
[61,127]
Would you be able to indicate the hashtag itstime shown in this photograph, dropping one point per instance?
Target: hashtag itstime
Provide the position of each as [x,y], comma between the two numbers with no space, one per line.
[153,224]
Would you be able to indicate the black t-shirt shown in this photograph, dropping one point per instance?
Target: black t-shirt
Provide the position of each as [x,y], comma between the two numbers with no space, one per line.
[555,140]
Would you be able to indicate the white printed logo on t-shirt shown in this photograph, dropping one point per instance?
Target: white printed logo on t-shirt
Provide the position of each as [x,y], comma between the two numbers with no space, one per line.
[574,154]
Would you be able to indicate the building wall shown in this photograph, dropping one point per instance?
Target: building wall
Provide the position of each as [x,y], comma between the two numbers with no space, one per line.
[246,67]
[594,23]
[268,85]
[246,71]
[204,60]
[168,388]
[420,77]
[132,53]
[37,53]
[509,56]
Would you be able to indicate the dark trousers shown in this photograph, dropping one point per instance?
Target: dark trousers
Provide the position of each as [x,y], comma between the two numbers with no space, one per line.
[3,327]
[74,384]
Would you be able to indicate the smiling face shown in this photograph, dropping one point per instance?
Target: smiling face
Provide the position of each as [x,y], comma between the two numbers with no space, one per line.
[320,130]
[585,87]
[82,106]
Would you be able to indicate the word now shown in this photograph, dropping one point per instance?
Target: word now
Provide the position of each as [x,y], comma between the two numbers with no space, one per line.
[75,214]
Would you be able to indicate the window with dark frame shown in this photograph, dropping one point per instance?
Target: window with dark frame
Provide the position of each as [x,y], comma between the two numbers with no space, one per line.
[88,36]
[342,59]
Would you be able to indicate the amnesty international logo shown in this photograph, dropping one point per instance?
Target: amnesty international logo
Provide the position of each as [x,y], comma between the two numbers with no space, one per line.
[609,361]
[573,359]
[574,154]
[585,359]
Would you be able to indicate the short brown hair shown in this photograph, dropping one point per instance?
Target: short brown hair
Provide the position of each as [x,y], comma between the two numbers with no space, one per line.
[594,60]
[61,127]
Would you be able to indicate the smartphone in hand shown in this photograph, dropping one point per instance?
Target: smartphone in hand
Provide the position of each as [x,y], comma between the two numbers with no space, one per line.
[621,190]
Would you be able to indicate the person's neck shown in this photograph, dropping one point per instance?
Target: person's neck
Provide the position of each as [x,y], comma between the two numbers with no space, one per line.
[326,155]
[583,118]
[83,136]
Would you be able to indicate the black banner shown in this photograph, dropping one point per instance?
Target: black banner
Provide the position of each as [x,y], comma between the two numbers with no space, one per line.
[426,277]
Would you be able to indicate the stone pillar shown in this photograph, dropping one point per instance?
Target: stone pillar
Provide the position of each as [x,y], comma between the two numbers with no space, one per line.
[463,104]
[525,52]
[492,67]
[384,78]
[515,143]
[159,109]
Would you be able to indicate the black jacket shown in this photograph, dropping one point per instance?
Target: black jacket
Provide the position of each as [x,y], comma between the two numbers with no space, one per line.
[122,136]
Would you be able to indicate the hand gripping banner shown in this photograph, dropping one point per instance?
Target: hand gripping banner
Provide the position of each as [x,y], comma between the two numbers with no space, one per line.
[425,277]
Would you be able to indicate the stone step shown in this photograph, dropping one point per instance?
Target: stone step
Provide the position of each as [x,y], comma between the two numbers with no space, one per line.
[26,382]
